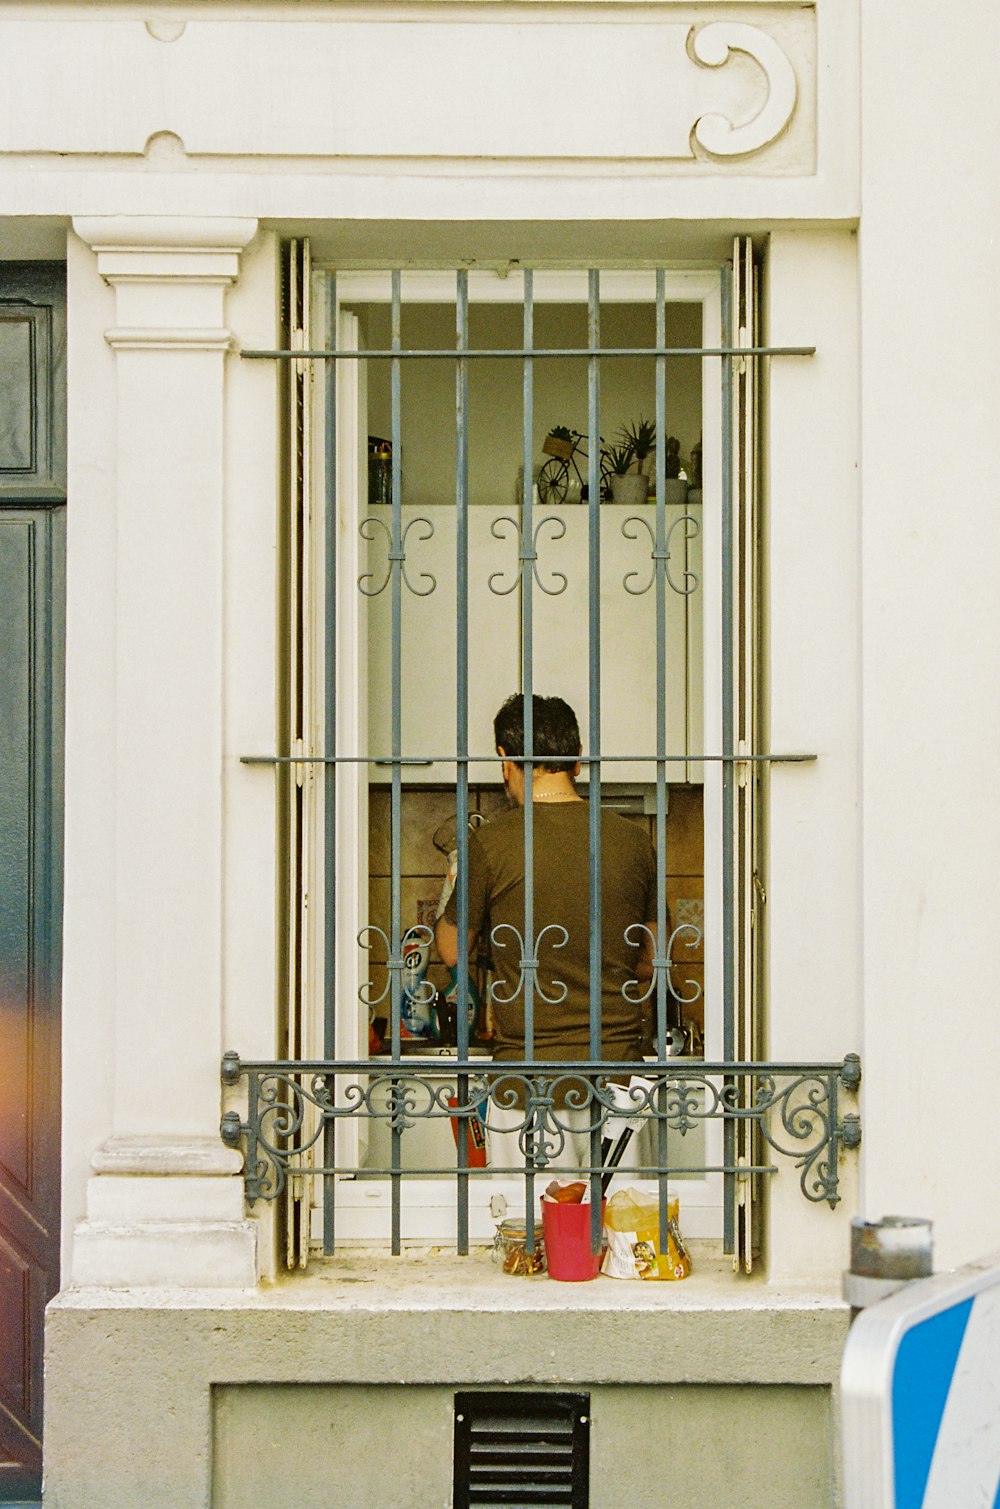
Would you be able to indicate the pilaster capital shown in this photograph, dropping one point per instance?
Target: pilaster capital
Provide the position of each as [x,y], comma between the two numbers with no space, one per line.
[170,274]
[166,248]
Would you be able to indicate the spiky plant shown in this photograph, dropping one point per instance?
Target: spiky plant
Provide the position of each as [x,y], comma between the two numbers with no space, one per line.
[618,458]
[641,436]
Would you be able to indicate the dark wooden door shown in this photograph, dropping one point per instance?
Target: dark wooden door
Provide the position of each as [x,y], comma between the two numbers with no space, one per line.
[32,534]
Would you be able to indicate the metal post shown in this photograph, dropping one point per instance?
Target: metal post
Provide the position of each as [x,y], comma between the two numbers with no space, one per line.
[330,745]
[662,977]
[396,800]
[728,770]
[594,640]
[527,685]
[885,1255]
[462,729]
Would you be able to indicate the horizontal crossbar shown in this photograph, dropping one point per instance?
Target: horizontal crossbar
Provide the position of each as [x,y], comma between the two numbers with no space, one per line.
[455,759]
[520,353]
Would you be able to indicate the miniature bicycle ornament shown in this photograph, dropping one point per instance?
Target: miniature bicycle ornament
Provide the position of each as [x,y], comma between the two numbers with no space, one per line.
[555,480]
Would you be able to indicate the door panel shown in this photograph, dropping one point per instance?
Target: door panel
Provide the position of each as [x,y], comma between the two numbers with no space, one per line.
[31,694]
[32,380]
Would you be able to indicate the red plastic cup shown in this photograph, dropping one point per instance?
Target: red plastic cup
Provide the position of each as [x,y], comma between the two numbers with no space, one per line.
[566,1229]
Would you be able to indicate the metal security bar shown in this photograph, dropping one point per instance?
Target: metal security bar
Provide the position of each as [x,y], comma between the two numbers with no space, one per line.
[295,1107]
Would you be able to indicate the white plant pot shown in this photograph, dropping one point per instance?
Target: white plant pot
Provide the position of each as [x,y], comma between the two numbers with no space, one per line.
[632,490]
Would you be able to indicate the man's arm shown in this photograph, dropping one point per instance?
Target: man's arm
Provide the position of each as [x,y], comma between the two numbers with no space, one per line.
[446,939]
[446,926]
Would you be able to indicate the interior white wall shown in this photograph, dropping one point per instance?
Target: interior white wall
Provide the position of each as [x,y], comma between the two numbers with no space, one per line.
[930,562]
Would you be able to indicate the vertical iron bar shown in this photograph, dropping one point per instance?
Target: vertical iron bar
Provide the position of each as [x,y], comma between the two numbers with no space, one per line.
[661,748]
[594,641]
[253,1119]
[396,834]
[462,729]
[297,1208]
[527,685]
[833,1100]
[330,747]
[728,750]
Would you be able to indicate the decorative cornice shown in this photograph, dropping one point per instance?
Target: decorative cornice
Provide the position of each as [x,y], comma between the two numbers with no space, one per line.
[668,85]
[164,233]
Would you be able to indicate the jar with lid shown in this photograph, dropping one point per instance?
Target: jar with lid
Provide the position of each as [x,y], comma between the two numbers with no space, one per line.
[379,470]
[510,1248]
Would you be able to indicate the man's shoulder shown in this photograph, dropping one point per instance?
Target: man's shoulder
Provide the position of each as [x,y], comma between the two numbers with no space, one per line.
[498,831]
[627,830]
[629,838]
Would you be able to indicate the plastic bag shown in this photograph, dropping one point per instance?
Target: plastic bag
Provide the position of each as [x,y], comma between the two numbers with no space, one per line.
[632,1224]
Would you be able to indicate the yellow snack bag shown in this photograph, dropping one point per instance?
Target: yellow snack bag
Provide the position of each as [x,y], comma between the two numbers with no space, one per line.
[632,1225]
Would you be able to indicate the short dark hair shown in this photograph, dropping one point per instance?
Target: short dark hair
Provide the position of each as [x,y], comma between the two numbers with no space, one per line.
[556,731]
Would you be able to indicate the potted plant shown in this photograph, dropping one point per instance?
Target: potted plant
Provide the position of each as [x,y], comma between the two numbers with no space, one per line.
[641,436]
[627,485]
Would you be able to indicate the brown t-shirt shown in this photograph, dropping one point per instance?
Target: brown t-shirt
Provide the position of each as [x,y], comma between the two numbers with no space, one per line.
[562,900]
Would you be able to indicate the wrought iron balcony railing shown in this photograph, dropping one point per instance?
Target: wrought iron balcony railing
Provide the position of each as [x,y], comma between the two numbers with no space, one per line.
[294,1110]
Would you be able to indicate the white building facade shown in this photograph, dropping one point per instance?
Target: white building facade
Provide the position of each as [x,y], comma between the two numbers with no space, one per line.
[169,159]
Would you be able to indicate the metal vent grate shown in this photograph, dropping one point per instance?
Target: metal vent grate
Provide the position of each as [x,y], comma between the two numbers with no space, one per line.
[522,1449]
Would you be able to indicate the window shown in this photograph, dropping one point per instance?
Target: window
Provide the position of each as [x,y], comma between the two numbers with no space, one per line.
[458,543]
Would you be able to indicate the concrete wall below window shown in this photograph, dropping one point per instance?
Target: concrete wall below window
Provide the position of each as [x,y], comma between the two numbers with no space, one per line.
[336,1388]
[317,1445]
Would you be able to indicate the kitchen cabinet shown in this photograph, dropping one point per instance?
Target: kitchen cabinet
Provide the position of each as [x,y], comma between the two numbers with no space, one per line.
[628,657]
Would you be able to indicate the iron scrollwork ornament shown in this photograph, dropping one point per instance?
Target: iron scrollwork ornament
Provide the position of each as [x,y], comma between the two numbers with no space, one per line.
[661,558]
[419,936]
[662,964]
[396,559]
[528,556]
[528,964]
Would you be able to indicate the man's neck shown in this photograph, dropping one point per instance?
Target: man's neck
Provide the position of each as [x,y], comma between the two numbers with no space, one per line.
[553,786]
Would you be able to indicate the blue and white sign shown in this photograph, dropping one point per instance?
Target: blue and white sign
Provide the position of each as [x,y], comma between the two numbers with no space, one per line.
[920,1396]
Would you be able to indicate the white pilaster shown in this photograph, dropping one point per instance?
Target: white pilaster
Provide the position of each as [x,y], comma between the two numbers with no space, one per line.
[170,343]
